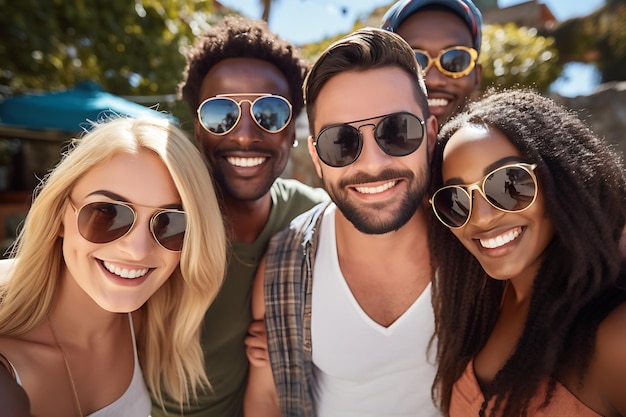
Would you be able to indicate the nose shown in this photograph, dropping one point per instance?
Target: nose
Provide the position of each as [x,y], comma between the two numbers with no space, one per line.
[372,157]
[434,77]
[139,242]
[246,131]
[483,213]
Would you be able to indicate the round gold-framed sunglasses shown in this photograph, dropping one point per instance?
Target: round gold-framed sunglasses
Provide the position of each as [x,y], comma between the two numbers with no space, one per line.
[510,188]
[220,115]
[107,221]
[455,62]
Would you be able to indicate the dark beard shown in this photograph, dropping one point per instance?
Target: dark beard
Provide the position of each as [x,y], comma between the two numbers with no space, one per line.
[368,224]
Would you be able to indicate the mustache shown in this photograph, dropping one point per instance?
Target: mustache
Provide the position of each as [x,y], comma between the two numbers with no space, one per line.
[365,177]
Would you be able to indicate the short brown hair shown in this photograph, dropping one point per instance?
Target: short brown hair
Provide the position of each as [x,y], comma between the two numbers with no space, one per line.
[364,49]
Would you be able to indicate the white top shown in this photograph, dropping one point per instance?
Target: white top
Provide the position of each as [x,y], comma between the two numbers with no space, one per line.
[360,367]
[135,402]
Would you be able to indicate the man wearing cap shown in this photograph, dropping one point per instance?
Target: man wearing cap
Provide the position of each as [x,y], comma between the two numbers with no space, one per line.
[446,36]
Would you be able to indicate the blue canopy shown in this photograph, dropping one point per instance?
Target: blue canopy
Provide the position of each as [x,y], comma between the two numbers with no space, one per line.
[70,110]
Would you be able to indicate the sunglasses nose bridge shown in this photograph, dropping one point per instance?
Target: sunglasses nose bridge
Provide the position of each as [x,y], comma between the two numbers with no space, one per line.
[482,211]
[139,241]
[371,150]
[245,130]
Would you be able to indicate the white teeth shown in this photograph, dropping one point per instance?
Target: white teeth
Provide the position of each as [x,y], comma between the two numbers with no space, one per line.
[375,190]
[496,242]
[438,102]
[125,273]
[245,162]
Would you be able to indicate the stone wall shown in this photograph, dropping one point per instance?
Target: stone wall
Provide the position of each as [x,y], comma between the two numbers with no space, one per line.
[604,111]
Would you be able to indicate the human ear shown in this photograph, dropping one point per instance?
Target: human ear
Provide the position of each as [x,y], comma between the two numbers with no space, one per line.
[314,157]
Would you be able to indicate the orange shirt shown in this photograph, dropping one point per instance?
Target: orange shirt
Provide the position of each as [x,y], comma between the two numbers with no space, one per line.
[467,398]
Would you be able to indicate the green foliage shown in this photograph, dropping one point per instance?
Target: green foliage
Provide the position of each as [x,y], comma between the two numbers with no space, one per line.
[610,31]
[312,51]
[599,38]
[514,56]
[130,47]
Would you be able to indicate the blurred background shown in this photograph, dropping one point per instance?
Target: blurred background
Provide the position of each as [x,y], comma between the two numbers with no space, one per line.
[62,63]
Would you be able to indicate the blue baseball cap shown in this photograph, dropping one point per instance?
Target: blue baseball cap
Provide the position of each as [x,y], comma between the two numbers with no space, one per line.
[465,9]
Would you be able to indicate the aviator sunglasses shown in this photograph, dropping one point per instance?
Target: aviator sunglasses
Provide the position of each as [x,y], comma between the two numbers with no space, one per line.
[220,114]
[105,222]
[510,188]
[455,62]
[397,134]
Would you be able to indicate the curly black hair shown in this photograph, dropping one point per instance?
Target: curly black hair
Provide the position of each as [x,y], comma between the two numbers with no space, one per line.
[240,37]
[581,278]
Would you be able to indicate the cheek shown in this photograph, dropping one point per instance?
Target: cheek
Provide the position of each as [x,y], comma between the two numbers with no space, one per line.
[287,138]
[465,241]
[172,260]
[467,84]
[205,141]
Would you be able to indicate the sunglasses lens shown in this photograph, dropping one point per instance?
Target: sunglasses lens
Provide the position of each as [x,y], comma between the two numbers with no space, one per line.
[218,115]
[338,145]
[455,60]
[104,222]
[452,206]
[272,113]
[422,59]
[168,228]
[400,134]
[510,188]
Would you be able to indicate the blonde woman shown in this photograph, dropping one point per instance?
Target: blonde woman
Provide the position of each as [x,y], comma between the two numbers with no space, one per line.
[127,222]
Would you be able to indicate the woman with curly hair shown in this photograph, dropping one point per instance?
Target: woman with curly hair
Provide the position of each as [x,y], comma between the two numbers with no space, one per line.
[121,253]
[530,289]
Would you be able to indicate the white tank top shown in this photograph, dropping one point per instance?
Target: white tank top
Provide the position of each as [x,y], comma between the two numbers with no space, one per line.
[361,368]
[134,402]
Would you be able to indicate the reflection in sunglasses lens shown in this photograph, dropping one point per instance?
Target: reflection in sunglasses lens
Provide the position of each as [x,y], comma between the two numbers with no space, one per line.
[271,113]
[397,134]
[422,59]
[455,60]
[219,115]
[169,229]
[509,188]
[104,222]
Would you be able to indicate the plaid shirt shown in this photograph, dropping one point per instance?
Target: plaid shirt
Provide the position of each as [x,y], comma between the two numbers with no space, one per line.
[288,282]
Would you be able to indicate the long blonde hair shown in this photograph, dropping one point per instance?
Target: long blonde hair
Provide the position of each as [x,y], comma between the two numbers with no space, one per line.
[169,340]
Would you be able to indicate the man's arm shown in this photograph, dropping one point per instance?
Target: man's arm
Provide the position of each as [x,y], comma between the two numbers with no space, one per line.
[261,399]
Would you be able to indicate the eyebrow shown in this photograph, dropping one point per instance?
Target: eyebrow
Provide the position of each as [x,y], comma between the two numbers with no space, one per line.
[118,197]
[500,162]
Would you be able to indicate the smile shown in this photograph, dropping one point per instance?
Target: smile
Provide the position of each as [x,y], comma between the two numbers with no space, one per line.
[438,102]
[503,239]
[376,190]
[125,273]
[245,162]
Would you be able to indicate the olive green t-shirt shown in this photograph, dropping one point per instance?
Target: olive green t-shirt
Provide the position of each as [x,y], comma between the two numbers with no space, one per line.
[228,318]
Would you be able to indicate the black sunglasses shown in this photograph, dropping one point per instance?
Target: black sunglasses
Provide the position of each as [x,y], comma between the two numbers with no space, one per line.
[220,114]
[455,62]
[510,188]
[105,222]
[397,134]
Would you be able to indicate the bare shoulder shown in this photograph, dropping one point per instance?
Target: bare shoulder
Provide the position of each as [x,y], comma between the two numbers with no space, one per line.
[611,335]
[610,358]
